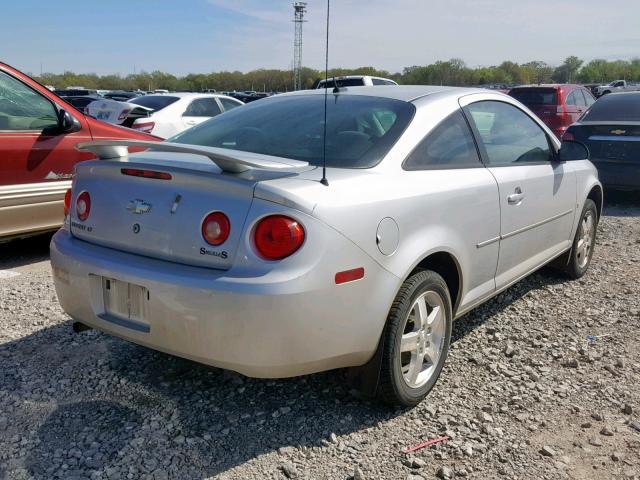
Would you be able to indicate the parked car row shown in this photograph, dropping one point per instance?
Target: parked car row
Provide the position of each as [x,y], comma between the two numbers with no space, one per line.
[292,212]
[163,115]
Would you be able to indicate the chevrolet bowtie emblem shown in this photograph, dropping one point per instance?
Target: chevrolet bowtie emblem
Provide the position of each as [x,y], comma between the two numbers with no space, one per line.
[618,132]
[138,207]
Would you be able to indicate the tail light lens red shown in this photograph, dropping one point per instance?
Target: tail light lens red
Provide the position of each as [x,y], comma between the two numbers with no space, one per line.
[67,202]
[278,236]
[144,127]
[216,228]
[83,206]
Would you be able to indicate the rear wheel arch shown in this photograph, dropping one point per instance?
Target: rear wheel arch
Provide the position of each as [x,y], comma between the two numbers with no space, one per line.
[596,195]
[448,267]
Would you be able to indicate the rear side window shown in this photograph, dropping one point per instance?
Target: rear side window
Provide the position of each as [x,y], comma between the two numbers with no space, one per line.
[535,96]
[615,107]
[22,108]
[572,99]
[448,145]
[154,102]
[202,107]
[588,98]
[229,104]
[508,135]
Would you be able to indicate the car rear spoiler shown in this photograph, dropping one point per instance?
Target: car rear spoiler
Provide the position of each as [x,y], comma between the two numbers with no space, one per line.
[232,161]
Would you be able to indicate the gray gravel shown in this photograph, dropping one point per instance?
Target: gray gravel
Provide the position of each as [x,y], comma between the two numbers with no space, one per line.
[541,383]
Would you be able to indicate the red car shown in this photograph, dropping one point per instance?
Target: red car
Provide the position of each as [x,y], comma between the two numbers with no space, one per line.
[557,105]
[38,132]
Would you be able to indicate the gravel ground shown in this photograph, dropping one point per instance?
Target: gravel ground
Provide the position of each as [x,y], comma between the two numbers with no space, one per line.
[541,383]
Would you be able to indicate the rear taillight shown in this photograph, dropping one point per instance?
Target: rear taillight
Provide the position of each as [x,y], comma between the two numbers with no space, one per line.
[216,228]
[67,202]
[145,127]
[123,114]
[568,136]
[134,172]
[83,206]
[277,237]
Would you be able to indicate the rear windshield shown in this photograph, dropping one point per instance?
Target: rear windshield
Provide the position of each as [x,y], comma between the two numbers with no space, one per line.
[615,107]
[535,96]
[154,102]
[360,129]
[343,82]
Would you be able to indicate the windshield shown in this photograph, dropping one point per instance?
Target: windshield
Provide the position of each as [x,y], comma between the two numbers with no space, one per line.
[154,102]
[535,96]
[360,129]
[616,107]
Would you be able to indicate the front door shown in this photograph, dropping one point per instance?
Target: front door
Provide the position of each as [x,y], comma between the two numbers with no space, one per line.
[537,193]
[36,159]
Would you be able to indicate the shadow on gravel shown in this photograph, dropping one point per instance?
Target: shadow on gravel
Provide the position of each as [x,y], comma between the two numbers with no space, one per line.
[74,404]
[475,318]
[24,251]
[93,432]
[94,402]
[622,204]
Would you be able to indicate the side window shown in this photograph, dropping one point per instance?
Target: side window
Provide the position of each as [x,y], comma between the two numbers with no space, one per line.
[22,108]
[449,145]
[580,101]
[377,81]
[589,100]
[202,107]
[508,135]
[571,99]
[229,104]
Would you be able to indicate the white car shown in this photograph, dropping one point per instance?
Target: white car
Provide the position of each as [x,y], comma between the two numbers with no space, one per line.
[168,114]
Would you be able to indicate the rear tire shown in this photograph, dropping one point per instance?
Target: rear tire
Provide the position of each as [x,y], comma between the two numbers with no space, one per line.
[584,242]
[416,339]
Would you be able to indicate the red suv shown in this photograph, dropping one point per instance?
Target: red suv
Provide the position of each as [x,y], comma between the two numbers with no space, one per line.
[557,105]
[38,133]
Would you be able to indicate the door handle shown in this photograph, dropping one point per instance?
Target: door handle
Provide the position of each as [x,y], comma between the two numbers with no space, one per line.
[516,197]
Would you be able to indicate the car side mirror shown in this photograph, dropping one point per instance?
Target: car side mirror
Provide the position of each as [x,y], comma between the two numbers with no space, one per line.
[67,123]
[572,150]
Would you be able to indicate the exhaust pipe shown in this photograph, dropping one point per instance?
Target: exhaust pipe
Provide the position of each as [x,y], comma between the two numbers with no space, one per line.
[79,327]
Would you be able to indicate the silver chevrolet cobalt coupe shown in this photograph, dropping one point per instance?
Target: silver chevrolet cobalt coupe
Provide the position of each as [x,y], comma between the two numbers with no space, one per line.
[226,245]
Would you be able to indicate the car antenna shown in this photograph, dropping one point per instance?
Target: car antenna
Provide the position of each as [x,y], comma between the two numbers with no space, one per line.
[324,180]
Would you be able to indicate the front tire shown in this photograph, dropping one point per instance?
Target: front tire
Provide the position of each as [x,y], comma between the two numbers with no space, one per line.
[416,339]
[584,242]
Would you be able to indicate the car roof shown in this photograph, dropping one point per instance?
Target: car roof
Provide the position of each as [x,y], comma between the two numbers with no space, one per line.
[184,94]
[549,85]
[407,93]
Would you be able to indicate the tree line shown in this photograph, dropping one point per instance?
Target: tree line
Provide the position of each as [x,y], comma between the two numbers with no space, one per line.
[450,72]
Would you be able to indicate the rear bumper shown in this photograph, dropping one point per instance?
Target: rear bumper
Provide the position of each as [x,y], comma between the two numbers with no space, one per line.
[619,175]
[269,326]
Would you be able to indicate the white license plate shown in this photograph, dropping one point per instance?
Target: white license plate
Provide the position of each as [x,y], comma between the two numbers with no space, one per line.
[124,300]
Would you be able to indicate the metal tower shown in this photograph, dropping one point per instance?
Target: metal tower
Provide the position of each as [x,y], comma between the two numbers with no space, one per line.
[299,9]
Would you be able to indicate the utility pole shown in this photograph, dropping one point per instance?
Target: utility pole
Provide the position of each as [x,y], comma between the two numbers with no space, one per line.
[299,9]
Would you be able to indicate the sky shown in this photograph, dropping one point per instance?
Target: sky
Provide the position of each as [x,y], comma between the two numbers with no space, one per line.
[200,36]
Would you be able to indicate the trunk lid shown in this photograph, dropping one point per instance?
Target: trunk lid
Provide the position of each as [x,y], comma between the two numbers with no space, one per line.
[162,218]
[611,142]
